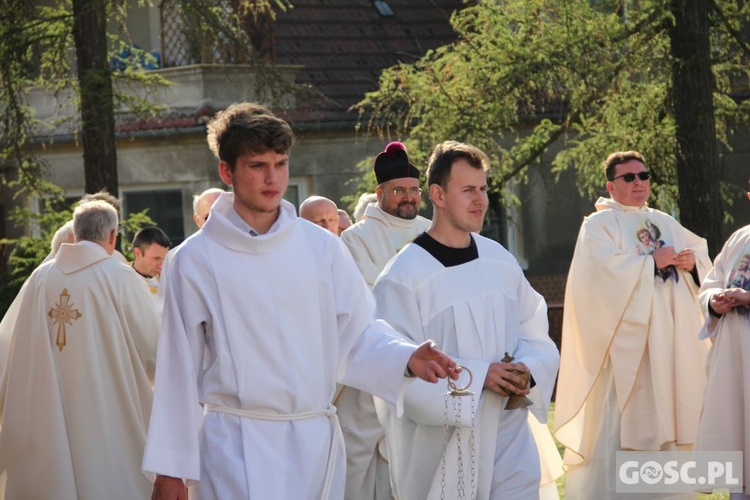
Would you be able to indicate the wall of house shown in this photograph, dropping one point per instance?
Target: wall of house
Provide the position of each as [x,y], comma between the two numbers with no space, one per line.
[328,159]
[324,162]
[161,163]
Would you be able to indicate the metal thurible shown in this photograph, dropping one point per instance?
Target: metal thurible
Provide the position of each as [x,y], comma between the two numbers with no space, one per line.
[457,393]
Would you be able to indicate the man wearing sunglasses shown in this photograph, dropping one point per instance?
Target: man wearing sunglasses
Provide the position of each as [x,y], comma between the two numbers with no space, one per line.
[631,371]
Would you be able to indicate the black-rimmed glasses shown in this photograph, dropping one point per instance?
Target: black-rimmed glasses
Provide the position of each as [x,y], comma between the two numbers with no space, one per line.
[630,177]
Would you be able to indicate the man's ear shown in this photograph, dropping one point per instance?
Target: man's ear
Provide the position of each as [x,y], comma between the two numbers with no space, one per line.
[437,195]
[112,237]
[137,253]
[225,172]
[610,187]
[379,192]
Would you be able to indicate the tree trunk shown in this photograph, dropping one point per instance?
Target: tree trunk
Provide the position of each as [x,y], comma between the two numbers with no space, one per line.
[97,105]
[699,198]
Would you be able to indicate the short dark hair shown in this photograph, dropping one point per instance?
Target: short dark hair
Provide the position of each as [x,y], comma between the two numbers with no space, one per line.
[445,154]
[247,128]
[620,157]
[149,235]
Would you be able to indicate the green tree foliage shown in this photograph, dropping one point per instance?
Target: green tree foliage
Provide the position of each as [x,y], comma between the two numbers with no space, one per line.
[39,54]
[50,212]
[588,77]
[36,52]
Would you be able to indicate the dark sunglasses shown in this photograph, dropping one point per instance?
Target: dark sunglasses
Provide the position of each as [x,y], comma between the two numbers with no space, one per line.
[630,177]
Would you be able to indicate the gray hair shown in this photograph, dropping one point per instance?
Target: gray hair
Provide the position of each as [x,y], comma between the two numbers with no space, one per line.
[198,197]
[94,221]
[102,195]
[62,235]
[364,200]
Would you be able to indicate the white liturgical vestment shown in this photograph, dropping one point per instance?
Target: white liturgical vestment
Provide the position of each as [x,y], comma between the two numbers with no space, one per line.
[631,372]
[258,330]
[475,312]
[378,237]
[725,423]
[76,395]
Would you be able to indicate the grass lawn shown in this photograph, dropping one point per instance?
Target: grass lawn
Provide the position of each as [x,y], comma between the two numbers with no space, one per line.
[561,481]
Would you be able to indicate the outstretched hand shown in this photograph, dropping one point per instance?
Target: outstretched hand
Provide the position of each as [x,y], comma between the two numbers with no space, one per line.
[429,363]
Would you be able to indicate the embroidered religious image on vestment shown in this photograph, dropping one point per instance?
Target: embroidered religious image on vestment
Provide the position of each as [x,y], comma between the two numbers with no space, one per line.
[648,239]
[740,278]
[63,313]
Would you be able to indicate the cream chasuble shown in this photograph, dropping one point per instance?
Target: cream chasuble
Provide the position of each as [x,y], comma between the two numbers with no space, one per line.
[259,330]
[378,237]
[76,394]
[6,325]
[725,423]
[475,312]
[623,319]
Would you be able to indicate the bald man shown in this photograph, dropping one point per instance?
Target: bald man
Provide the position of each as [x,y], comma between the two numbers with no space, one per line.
[321,211]
[344,220]
[202,204]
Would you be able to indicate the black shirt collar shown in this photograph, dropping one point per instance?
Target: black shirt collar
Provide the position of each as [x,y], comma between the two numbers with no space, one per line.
[448,256]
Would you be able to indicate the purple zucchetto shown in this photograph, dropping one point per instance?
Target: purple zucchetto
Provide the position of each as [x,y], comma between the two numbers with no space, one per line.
[393,163]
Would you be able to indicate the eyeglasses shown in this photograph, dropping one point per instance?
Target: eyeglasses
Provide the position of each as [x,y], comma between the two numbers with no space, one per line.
[630,177]
[402,191]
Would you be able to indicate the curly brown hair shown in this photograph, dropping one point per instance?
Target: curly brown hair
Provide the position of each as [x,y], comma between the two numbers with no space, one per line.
[247,128]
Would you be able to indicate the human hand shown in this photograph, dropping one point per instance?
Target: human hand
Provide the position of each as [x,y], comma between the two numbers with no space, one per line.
[686,260]
[664,257]
[720,303]
[169,488]
[506,379]
[737,297]
[429,363]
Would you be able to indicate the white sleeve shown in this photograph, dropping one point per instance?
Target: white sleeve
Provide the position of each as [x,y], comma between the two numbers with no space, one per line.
[713,283]
[172,446]
[374,356]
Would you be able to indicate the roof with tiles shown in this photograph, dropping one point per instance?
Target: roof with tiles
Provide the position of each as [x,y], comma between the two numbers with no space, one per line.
[343,46]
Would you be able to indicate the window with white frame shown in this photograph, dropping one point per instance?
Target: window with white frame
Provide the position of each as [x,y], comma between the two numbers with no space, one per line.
[296,191]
